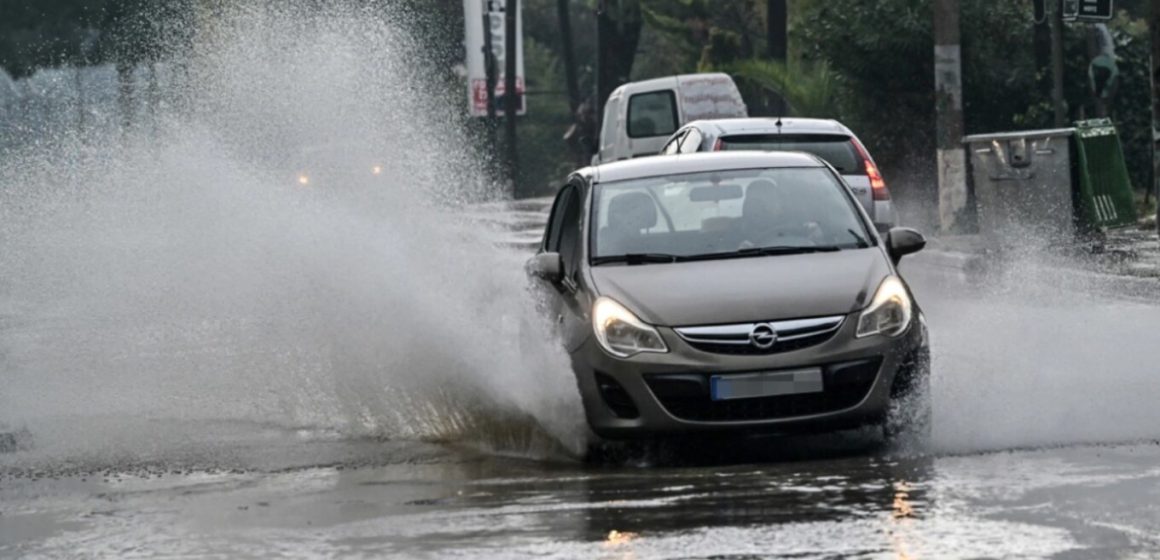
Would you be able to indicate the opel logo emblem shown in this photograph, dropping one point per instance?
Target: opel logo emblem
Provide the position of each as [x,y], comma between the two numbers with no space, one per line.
[762,336]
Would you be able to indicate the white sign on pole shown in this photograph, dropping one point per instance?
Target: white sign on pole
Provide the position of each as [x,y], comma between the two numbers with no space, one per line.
[473,11]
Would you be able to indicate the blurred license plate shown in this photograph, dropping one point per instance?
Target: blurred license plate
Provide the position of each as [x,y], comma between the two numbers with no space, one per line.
[765,384]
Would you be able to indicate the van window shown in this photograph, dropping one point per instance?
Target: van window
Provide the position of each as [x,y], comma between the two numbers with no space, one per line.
[652,114]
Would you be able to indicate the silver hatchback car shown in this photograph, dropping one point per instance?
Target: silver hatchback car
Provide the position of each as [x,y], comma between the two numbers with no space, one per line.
[825,138]
[734,292]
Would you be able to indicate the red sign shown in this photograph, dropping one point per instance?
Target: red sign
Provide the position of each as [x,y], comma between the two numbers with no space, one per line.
[479,96]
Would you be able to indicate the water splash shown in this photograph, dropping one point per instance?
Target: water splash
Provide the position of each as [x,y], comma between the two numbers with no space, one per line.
[280,245]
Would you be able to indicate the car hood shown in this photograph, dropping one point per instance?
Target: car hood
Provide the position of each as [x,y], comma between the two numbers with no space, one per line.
[744,290]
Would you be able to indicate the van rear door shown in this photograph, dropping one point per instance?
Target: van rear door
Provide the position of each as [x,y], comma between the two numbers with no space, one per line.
[653,116]
[709,96]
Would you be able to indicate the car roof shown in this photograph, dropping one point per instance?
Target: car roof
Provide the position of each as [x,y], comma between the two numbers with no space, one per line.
[653,166]
[759,125]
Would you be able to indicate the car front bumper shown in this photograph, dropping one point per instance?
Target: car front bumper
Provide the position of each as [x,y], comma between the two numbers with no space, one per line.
[654,394]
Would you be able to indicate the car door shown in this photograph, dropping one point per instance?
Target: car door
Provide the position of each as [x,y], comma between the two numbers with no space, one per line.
[567,303]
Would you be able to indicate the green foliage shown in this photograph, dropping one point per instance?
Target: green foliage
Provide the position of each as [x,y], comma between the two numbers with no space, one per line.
[683,36]
[544,157]
[1130,108]
[48,33]
[810,90]
[883,53]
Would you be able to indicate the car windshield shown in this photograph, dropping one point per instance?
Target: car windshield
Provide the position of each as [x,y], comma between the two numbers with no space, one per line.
[723,214]
[836,149]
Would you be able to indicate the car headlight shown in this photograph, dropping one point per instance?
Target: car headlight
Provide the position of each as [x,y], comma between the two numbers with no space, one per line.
[620,333]
[889,312]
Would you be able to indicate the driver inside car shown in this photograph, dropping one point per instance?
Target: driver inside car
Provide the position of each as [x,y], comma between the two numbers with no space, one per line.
[767,222]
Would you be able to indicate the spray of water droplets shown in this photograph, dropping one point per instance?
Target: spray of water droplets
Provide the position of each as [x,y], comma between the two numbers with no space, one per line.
[278,243]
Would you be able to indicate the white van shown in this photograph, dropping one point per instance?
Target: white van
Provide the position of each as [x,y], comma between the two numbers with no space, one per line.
[640,116]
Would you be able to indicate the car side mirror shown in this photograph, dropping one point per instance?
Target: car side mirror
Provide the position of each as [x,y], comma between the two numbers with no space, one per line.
[547,266]
[902,241]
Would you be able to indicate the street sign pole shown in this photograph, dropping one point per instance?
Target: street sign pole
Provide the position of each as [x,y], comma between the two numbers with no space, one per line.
[1087,10]
[511,95]
[1056,16]
[489,68]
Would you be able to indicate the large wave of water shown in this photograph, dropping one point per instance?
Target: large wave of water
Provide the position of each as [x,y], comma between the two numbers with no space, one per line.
[280,245]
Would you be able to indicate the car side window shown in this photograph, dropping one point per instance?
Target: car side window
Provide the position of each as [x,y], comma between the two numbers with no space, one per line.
[569,240]
[691,143]
[555,220]
[671,147]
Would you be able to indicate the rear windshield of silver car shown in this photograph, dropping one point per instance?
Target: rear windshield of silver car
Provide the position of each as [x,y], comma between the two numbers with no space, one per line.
[725,212]
[837,149]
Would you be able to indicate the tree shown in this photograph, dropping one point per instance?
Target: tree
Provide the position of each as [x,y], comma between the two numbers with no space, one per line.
[46,33]
[882,54]
[618,26]
[810,90]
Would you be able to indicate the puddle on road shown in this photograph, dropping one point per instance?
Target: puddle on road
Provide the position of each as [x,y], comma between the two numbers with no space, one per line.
[1024,359]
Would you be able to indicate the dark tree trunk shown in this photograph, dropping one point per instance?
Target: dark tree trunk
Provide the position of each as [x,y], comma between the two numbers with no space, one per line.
[565,18]
[618,34]
[776,25]
[1042,43]
[777,41]
[1154,28]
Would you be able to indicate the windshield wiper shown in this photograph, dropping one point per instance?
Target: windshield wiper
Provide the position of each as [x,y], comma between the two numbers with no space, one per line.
[788,249]
[764,251]
[862,243]
[636,258]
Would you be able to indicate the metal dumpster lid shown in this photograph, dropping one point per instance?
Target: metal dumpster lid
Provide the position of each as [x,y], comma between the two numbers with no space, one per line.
[1047,133]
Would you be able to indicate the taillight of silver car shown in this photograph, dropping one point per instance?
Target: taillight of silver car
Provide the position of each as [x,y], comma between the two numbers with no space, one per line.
[877,183]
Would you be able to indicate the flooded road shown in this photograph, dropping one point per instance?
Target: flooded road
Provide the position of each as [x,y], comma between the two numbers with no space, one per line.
[1025,463]
[207,356]
[1078,502]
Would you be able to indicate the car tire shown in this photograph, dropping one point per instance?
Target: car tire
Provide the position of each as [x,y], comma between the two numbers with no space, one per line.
[909,417]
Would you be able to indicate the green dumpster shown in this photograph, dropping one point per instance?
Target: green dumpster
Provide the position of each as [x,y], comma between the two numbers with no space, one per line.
[1103,190]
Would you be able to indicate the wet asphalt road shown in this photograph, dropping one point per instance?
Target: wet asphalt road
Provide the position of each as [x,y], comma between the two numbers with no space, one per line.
[1043,447]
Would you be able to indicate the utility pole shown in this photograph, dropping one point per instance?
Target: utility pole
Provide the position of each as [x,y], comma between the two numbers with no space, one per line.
[952,184]
[1154,30]
[1041,39]
[511,96]
[597,81]
[489,70]
[1055,9]
[776,40]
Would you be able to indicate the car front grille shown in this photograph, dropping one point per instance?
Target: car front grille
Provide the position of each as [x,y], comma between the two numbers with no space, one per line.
[738,338]
[686,395]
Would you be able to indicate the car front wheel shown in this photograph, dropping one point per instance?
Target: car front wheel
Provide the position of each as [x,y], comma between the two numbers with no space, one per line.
[909,416]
